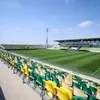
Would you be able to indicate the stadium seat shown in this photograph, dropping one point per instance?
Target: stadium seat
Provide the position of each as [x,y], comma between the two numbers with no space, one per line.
[87,91]
[92,98]
[33,77]
[67,91]
[60,78]
[42,73]
[75,81]
[68,79]
[78,92]
[39,82]
[82,85]
[50,88]
[47,76]
[66,86]
[93,90]
[98,89]
[37,71]
[54,79]
[98,95]
[78,98]
[62,94]
[76,85]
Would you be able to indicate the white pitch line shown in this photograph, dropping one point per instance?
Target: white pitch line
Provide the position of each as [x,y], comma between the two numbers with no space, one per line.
[95,71]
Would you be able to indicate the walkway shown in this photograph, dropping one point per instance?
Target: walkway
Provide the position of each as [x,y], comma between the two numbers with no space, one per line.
[12,86]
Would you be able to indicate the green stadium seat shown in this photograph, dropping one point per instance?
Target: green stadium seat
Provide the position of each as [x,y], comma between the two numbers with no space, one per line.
[33,77]
[94,90]
[39,82]
[87,91]
[82,85]
[78,98]
[92,98]
[55,80]
[96,84]
[75,85]
[53,75]
[47,76]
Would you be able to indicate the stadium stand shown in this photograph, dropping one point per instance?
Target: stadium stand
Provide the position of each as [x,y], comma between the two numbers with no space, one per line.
[13,47]
[94,49]
[2,47]
[81,44]
[84,48]
[53,82]
[59,47]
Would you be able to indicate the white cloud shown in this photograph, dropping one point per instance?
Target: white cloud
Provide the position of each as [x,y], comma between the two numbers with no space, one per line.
[55,29]
[85,23]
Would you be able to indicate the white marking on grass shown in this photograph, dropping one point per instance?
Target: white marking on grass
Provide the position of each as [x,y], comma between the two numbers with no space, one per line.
[96,71]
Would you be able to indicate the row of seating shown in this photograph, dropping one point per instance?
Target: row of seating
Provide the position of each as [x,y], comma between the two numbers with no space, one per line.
[53,82]
[11,46]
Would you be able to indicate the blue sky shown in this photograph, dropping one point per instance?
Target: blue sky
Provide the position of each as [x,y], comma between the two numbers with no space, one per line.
[25,21]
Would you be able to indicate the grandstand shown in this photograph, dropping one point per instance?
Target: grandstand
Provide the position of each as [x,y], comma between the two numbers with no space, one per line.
[81,44]
[21,47]
[56,83]
[2,47]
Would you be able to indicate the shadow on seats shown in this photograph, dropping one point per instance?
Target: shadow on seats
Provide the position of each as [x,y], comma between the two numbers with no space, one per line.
[2,97]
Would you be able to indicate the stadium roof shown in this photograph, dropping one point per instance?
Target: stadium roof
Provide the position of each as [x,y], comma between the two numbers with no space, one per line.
[76,40]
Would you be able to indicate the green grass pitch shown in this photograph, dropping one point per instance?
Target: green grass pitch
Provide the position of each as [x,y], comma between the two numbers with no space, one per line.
[79,61]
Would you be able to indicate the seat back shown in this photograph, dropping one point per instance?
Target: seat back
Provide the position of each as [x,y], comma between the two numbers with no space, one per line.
[49,87]
[65,85]
[98,95]
[60,78]
[61,95]
[92,98]
[68,79]
[37,71]
[67,91]
[98,89]
[78,92]
[42,74]
[56,81]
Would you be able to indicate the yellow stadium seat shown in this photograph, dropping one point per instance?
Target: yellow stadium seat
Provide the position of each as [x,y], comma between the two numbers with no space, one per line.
[50,88]
[25,68]
[61,94]
[67,91]
[22,70]
[12,62]
[29,70]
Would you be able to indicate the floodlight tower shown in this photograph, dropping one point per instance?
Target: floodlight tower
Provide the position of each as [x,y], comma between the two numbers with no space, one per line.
[47,30]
